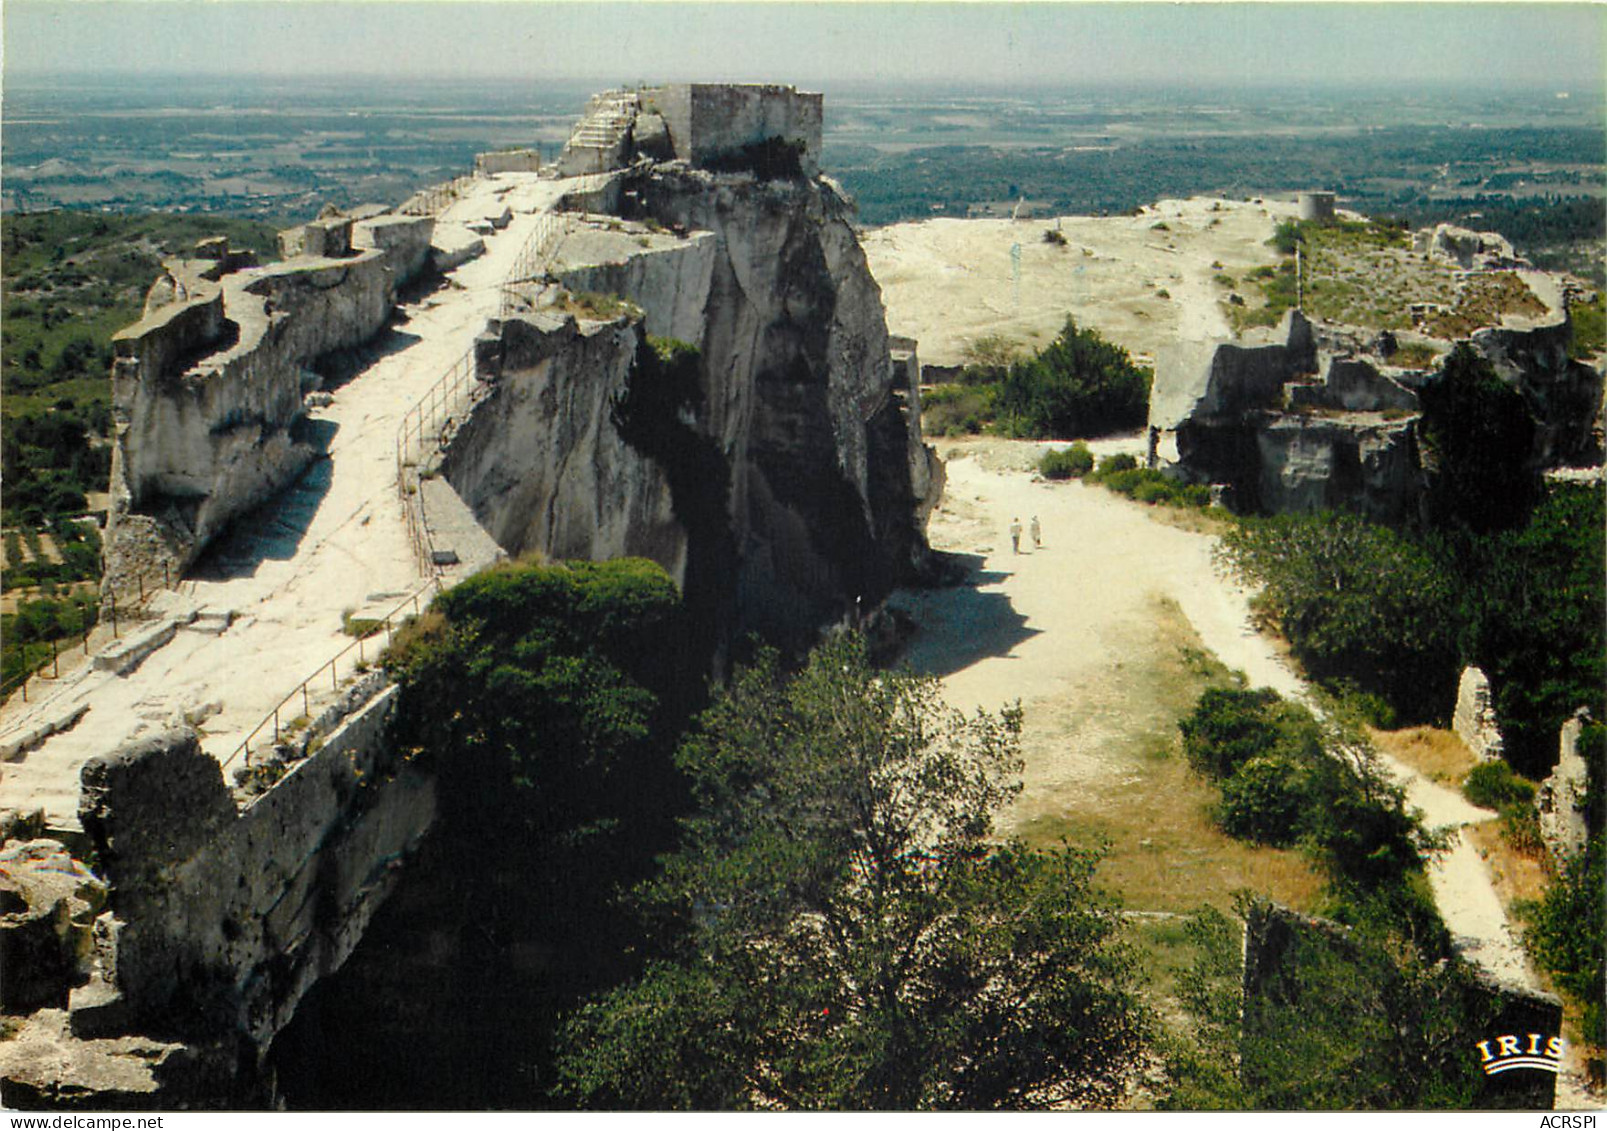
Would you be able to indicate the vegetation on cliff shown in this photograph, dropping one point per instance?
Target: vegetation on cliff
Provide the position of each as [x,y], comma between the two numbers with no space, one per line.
[547,699]
[844,930]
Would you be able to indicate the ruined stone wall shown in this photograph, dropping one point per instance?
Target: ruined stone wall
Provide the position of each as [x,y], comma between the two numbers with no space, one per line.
[1474,717]
[226,916]
[1560,800]
[206,393]
[708,120]
[507,161]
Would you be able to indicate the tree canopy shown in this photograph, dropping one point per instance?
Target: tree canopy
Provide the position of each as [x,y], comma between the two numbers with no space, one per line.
[845,931]
[1078,385]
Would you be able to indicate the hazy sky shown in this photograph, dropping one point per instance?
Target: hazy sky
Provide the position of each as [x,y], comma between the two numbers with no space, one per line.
[1557,46]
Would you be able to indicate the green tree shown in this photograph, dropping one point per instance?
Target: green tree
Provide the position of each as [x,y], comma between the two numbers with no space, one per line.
[1478,437]
[1078,385]
[1533,615]
[548,699]
[850,933]
[1356,601]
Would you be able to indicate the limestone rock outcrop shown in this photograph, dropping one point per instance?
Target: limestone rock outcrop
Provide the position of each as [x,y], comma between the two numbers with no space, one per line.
[1466,248]
[1563,395]
[1253,419]
[788,486]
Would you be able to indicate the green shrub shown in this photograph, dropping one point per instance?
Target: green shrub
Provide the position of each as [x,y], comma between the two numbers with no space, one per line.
[1287,235]
[1493,785]
[1262,801]
[1152,491]
[360,627]
[956,410]
[1284,778]
[1564,934]
[1229,727]
[1078,385]
[1067,463]
[1121,461]
[1590,327]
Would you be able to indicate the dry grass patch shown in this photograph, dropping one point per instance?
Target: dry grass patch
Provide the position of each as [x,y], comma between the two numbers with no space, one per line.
[1515,875]
[1116,774]
[1437,753]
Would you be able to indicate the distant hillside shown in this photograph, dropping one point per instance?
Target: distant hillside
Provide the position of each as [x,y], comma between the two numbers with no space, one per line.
[68,282]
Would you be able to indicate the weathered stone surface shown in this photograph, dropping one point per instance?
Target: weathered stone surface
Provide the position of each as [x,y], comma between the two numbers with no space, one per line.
[542,465]
[207,392]
[1328,463]
[227,916]
[1560,801]
[48,904]
[1353,385]
[1466,248]
[1211,381]
[1474,717]
[1564,396]
[44,1067]
[507,161]
[826,480]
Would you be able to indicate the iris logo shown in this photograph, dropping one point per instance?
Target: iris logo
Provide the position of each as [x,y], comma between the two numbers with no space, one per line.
[1532,1050]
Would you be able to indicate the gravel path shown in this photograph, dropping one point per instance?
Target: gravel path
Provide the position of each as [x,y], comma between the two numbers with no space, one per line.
[1039,622]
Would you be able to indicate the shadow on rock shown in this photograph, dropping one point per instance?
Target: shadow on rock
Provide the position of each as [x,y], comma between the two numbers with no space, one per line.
[274,530]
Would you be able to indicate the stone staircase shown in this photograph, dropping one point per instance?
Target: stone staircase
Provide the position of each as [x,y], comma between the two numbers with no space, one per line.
[605,123]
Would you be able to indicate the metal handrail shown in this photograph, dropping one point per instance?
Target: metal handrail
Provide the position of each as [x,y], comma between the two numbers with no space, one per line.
[303,688]
[429,201]
[531,262]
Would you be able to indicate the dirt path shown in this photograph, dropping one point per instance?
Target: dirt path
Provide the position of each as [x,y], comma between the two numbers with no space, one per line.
[1047,624]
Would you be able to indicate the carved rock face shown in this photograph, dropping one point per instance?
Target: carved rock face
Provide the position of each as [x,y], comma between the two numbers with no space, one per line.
[793,480]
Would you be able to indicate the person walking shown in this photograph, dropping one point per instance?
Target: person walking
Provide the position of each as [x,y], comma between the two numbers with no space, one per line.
[1015,535]
[1037,534]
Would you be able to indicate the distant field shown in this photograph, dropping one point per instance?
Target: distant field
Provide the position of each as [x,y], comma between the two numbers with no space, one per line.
[1529,164]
